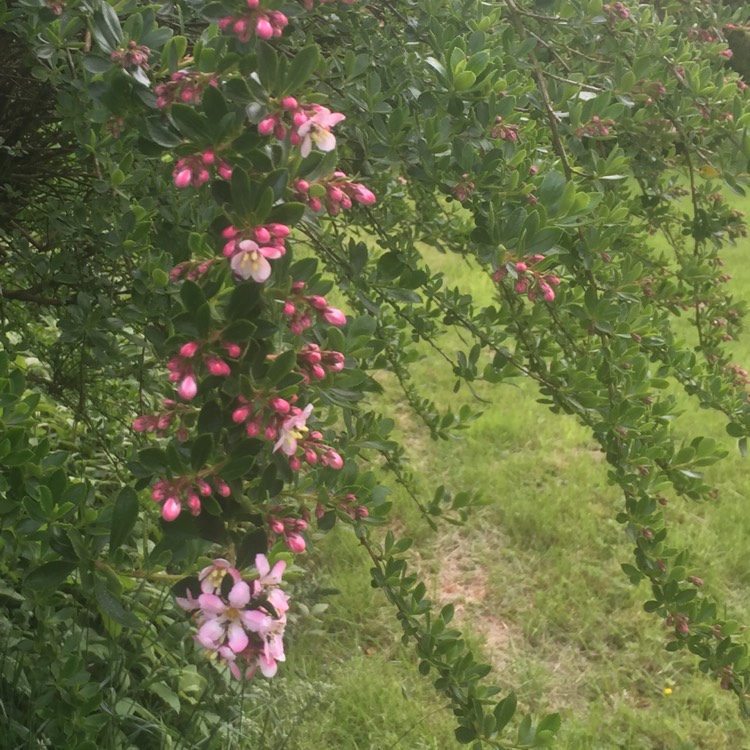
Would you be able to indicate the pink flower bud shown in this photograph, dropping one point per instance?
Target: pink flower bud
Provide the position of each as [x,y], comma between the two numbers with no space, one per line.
[270,432]
[188,350]
[240,414]
[300,524]
[294,463]
[302,186]
[289,103]
[333,459]
[262,235]
[289,309]
[315,204]
[263,28]
[188,388]
[295,542]
[362,195]
[311,456]
[318,302]
[141,424]
[208,157]
[266,126]
[222,487]
[204,487]
[171,509]
[317,372]
[194,503]
[252,4]
[276,526]
[521,267]
[334,317]
[217,366]
[182,177]
[224,170]
[279,230]
[252,428]
[280,405]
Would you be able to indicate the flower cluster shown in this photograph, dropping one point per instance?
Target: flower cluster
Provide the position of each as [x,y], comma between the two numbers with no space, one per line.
[183,86]
[193,170]
[172,493]
[315,363]
[132,55]
[191,269]
[158,423]
[529,281]
[299,309]
[349,504]
[503,131]
[277,420]
[265,24]
[595,127]
[249,250]
[182,367]
[309,124]
[335,193]
[616,10]
[464,189]
[290,529]
[241,622]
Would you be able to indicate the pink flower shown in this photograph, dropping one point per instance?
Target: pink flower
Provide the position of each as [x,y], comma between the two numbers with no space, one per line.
[250,261]
[293,429]
[317,129]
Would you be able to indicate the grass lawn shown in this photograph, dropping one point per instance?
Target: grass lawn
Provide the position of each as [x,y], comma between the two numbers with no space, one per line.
[535,577]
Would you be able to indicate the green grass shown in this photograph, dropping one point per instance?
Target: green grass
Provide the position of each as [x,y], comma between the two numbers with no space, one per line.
[536,580]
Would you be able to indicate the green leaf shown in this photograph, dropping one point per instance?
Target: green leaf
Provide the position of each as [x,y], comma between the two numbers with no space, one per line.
[166,694]
[465,735]
[192,296]
[110,606]
[124,516]
[49,576]
[162,135]
[282,365]
[288,213]
[302,67]
[243,196]
[201,450]
[504,711]
[193,126]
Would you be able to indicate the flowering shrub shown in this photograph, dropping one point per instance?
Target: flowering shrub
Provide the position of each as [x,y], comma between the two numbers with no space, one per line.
[226,210]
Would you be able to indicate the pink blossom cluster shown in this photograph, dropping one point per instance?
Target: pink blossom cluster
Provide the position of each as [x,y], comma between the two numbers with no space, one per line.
[132,55]
[703,35]
[194,170]
[616,10]
[349,504]
[265,24]
[336,192]
[183,86]
[595,127]
[158,423]
[299,309]
[182,367]
[503,131]
[172,493]
[529,281]
[241,624]
[191,269]
[290,529]
[464,189]
[277,420]
[315,363]
[250,249]
[309,124]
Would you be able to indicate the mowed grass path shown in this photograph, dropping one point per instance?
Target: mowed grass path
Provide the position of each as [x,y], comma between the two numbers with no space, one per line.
[536,580]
